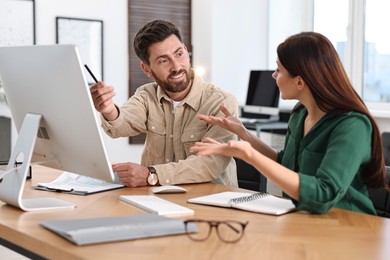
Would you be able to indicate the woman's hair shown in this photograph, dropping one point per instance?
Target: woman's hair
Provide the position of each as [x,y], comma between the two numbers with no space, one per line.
[312,56]
[153,32]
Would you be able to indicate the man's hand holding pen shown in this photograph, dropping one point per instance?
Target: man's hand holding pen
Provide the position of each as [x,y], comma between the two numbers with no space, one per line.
[102,95]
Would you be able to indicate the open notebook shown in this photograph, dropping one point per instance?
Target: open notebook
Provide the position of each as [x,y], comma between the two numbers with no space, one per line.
[256,202]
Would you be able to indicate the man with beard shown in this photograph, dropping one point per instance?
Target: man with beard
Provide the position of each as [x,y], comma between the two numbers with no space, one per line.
[166,111]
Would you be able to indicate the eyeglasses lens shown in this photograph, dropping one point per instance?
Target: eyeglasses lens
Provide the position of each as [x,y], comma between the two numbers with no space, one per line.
[203,232]
[230,231]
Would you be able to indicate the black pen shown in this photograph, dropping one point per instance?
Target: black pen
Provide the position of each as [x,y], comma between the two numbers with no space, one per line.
[90,73]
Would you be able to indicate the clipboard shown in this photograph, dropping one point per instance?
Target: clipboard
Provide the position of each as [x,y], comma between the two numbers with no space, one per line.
[76,184]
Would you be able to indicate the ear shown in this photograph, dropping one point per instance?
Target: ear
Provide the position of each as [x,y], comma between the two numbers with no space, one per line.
[185,48]
[146,69]
[300,83]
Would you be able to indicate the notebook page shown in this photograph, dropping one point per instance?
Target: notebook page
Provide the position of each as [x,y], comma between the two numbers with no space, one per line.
[267,204]
[219,199]
[257,202]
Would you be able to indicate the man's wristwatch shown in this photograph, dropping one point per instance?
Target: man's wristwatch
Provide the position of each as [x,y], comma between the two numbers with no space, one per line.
[152,178]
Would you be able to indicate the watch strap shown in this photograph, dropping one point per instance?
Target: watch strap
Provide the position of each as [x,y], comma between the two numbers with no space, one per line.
[152,170]
[152,177]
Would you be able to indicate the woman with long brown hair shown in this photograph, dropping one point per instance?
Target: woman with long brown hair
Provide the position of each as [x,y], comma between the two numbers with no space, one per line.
[332,153]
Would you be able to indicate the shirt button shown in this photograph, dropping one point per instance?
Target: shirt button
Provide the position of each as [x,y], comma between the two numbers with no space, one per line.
[153,127]
[167,181]
[171,136]
[192,136]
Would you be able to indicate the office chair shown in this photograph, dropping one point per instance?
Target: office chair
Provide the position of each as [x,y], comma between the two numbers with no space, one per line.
[386,147]
[249,178]
[381,198]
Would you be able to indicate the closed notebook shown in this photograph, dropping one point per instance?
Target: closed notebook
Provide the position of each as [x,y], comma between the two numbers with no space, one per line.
[110,229]
[256,202]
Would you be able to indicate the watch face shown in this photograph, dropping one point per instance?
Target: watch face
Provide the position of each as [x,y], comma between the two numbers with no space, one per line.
[152,179]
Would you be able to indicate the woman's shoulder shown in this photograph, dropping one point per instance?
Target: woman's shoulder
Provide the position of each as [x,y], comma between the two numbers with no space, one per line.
[352,122]
[353,116]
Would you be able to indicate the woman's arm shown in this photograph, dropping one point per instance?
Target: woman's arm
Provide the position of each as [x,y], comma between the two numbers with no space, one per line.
[233,124]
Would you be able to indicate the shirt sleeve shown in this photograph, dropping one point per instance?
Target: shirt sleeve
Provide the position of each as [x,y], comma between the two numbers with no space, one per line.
[119,127]
[347,150]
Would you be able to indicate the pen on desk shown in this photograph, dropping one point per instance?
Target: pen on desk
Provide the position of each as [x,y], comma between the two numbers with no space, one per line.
[90,73]
[42,187]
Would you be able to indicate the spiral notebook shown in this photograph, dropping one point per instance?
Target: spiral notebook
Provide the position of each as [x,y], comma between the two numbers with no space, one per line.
[256,202]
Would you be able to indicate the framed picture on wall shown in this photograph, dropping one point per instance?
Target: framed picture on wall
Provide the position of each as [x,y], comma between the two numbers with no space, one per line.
[17,22]
[87,35]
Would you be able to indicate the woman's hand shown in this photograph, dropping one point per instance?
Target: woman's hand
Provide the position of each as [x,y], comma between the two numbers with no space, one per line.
[238,149]
[229,121]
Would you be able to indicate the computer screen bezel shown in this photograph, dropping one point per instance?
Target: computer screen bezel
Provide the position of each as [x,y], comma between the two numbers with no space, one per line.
[262,108]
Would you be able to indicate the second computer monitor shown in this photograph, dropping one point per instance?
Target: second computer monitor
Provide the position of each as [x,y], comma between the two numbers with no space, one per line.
[262,99]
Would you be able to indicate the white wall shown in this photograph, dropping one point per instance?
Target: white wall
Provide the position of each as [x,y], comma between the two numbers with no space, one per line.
[229,39]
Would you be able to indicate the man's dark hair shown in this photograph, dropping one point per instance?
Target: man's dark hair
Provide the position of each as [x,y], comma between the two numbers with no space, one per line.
[153,32]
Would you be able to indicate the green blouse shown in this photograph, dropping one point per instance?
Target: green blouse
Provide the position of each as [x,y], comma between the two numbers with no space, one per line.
[329,161]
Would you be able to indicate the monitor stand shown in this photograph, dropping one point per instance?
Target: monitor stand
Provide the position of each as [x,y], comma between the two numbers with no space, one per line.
[12,183]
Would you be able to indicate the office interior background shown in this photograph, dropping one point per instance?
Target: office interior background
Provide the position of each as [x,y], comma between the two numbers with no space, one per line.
[230,38]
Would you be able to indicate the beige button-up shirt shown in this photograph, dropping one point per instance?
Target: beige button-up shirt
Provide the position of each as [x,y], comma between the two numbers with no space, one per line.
[170,132]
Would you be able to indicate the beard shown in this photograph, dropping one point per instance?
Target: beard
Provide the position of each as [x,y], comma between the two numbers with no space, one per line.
[177,86]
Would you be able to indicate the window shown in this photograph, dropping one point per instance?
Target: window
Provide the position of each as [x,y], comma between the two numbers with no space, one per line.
[357,29]
[333,26]
[376,73]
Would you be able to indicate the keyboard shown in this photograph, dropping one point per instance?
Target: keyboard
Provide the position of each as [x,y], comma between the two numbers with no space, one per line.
[156,205]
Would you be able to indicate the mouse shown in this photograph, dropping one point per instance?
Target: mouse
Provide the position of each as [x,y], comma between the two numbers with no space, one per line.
[169,189]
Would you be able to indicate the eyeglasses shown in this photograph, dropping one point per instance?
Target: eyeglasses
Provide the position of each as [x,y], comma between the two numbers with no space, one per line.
[228,231]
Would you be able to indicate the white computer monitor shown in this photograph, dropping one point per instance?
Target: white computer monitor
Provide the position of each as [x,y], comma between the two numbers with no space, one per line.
[49,98]
[262,99]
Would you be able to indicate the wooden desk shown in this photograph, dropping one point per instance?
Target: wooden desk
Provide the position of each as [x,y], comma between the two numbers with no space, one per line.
[339,234]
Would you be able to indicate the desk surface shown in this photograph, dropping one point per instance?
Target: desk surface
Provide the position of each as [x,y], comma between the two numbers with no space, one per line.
[339,234]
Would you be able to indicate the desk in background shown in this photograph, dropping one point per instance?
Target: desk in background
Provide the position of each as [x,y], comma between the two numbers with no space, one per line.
[340,234]
[260,125]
